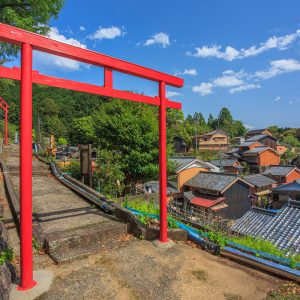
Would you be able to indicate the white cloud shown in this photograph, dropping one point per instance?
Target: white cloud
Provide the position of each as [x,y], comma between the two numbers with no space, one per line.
[159,38]
[277,98]
[244,87]
[278,67]
[191,72]
[107,33]
[291,102]
[43,59]
[81,28]
[227,81]
[204,89]
[171,94]
[230,53]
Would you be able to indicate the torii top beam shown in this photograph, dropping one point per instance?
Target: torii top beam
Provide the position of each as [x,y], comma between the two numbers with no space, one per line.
[16,36]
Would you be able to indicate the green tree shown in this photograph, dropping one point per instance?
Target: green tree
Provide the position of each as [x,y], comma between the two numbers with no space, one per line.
[210,120]
[291,141]
[109,172]
[31,15]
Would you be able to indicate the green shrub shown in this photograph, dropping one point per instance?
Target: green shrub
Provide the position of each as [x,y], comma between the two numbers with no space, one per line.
[5,255]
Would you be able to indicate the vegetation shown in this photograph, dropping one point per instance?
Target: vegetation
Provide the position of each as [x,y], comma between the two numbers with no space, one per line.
[73,169]
[6,255]
[32,15]
[256,244]
[148,207]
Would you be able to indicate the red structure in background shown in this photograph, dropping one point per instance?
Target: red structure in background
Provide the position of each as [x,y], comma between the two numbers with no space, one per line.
[30,41]
[5,107]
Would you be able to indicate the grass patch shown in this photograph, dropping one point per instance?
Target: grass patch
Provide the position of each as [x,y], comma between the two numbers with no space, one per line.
[148,207]
[200,275]
[6,254]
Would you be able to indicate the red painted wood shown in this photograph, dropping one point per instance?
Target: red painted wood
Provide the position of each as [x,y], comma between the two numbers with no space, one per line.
[15,73]
[27,281]
[163,164]
[18,36]
[108,78]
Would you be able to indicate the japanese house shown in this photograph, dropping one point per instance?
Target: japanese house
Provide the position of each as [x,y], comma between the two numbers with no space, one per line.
[216,140]
[264,139]
[282,174]
[224,195]
[261,156]
[187,168]
[284,193]
[258,132]
[231,166]
[262,189]
[281,227]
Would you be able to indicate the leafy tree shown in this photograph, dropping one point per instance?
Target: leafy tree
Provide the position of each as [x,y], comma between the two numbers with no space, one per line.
[109,172]
[31,15]
[291,141]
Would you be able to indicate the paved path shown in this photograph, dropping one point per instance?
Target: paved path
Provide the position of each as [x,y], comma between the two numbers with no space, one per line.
[58,211]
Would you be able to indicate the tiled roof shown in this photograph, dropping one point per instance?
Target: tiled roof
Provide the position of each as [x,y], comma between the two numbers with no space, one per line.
[182,162]
[256,131]
[259,180]
[282,228]
[247,144]
[256,138]
[289,187]
[202,200]
[154,185]
[278,170]
[223,162]
[256,150]
[211,181]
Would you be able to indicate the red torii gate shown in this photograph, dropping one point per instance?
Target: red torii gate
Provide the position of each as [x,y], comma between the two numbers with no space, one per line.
[30,41]
[4,105]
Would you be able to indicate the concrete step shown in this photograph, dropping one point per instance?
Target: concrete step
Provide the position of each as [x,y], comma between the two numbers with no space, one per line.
[80,242]
[61,257]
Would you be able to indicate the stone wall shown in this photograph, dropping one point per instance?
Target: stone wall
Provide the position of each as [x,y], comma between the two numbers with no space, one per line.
[7,272]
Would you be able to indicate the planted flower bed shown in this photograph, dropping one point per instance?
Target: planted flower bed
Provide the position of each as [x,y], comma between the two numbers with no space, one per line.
[143,219]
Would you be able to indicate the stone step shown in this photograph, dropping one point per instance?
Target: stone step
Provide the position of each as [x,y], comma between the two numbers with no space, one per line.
[68,241]
[61,257]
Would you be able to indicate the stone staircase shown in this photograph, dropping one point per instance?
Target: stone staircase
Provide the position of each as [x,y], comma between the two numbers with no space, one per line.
[78,243]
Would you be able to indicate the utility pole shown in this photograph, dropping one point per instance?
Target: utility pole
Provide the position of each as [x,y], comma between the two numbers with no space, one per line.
[196,140]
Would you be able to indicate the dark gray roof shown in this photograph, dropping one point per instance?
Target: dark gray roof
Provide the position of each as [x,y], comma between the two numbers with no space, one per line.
[259,137]
[154,185]
[223,162]
[257,150]
[278,170]
[211,181]
[247,144]
[259,180]
[289,187]
[282,228]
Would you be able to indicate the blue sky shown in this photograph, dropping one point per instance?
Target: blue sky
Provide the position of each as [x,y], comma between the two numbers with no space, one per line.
[244,55]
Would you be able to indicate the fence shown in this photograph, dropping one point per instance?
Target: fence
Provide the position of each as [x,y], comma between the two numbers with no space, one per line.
[198,217]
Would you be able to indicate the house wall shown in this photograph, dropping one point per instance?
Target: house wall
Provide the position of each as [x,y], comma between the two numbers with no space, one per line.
[267,141]
[237,200]
[187,174]
[293,176]
[268,158]
[213,142]
[231,170]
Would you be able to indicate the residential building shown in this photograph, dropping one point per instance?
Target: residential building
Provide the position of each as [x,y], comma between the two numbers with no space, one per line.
[281,149]
[216,140]
[257,132]
[284,193]
[187,168]
[231,166]
[282,174]
[261,156]
[262,188]
[280,227]
[224,195]
[249,146]
[265,139]
[239,140]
